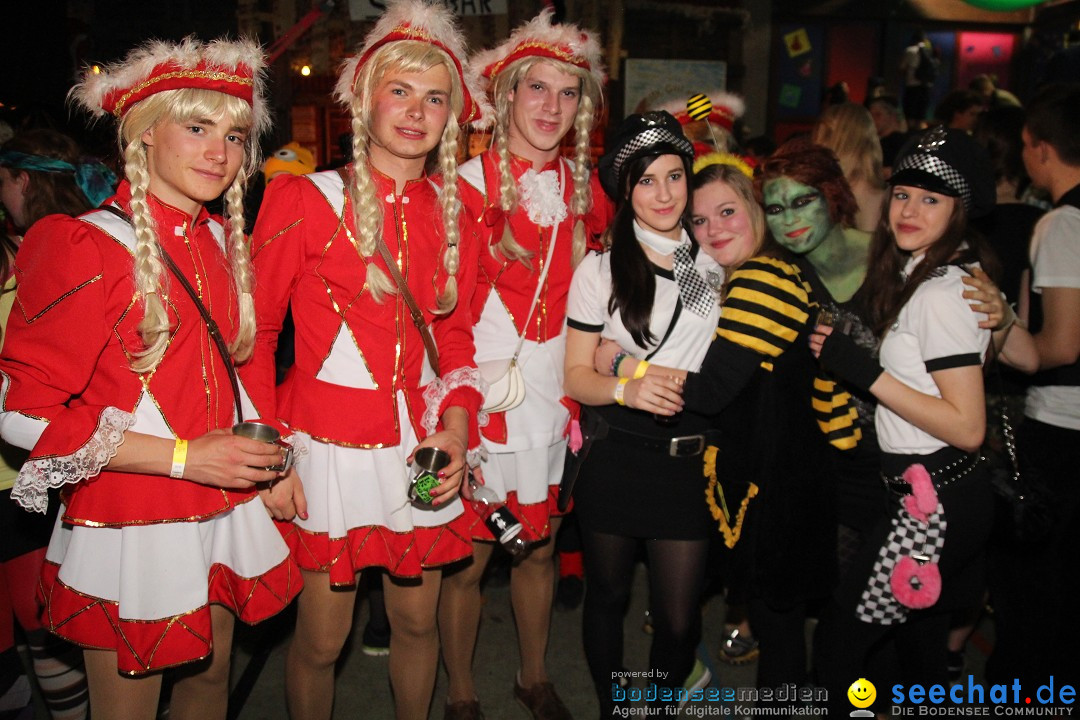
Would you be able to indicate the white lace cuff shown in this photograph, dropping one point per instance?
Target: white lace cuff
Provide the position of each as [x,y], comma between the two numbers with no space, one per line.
[39,475]
[299,447]
[477,456]
[438,389]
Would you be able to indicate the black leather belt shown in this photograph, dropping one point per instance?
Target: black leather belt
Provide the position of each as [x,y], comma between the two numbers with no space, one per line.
[681,446]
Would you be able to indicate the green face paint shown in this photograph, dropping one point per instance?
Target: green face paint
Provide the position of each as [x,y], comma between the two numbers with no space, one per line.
[797,214]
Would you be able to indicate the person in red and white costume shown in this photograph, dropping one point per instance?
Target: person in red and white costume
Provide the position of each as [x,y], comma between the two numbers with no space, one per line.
[544,81]
[112,380]
[362,391]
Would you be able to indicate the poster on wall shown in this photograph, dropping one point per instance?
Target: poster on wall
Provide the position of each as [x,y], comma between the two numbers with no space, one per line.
[651,83]
[799,70]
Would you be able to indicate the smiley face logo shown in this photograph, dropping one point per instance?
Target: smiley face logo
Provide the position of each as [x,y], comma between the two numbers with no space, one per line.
[862,693]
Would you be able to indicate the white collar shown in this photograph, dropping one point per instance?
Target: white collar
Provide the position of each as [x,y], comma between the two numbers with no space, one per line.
[913,262]
[658,243]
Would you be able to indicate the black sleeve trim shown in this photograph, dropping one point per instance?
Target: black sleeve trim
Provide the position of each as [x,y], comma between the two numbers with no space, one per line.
[583,327]
[953,361]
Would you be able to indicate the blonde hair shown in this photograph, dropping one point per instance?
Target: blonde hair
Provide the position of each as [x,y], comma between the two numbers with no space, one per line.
[732,175]
[589,103]
[848,130]
[407,56]
[150,279]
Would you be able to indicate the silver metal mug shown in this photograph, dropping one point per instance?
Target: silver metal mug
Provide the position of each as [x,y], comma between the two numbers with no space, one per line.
[427,462]
[267,434]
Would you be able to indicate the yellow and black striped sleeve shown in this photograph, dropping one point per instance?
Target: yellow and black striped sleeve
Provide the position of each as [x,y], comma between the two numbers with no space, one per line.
[835,412]
[768,303]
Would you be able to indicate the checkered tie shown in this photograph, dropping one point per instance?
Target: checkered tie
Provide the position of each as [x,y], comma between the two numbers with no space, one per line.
[697,296]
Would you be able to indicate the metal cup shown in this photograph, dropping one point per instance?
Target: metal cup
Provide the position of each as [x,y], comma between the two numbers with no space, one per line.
[427,461]
[267,434]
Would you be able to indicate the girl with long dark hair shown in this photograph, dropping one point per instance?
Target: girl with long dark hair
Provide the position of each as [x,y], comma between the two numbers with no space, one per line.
[924,559]
[640,480]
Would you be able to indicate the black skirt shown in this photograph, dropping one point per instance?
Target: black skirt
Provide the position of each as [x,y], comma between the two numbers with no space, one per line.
[624,488]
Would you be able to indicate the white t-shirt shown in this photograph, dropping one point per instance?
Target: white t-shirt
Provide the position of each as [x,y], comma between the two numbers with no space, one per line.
[587,309]
[936,330]
[909,63]
[1055,263]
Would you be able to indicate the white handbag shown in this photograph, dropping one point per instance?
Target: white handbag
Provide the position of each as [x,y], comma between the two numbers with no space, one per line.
[506,384]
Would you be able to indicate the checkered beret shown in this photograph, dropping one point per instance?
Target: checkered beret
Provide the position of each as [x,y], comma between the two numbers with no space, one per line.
[948,162]
[654,133]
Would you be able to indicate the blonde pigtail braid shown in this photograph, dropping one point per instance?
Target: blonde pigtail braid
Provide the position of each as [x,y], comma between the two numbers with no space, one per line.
[581,202]
[510,248]
[240,264]
[451,207]
[507,186]
[367,212]
[148,268]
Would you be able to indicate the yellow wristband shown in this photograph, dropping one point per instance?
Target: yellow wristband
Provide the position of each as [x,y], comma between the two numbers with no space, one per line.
[179,459]
[620,390]
[641,369]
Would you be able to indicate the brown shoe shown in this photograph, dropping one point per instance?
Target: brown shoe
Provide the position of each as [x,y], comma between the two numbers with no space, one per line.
[463,710]
[542,701]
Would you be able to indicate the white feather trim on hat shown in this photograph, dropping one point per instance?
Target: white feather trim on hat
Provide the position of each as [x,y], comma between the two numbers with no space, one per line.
[434,21]
[735,105]
[583,45]
[140,63]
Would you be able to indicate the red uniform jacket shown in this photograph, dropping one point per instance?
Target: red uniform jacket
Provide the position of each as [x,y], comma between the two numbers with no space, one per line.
[66,356]
[354,354]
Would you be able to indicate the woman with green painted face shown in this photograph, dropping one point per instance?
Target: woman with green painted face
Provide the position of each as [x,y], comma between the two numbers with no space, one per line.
[810,211]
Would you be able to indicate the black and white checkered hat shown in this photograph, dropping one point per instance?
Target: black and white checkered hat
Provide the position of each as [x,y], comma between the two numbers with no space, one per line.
[948,162]
[654,133]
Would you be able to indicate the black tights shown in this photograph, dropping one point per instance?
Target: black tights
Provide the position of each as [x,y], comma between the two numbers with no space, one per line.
[676,574]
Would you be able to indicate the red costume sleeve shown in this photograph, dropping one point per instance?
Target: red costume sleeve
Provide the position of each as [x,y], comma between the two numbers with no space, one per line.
[600,214]
[277,252]
[58,328]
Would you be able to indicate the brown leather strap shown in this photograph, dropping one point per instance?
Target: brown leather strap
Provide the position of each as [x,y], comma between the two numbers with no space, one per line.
[403,288]
[211,326]
[414,309]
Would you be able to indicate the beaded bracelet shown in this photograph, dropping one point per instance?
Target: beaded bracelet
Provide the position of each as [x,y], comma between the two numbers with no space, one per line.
[617,361]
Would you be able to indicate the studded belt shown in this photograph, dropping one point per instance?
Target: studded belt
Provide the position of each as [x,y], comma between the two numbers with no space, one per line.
[941,476]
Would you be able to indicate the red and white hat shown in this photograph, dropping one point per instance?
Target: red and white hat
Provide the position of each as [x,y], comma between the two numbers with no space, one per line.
[233,67]
[432,24]
[718,107]
[539,38]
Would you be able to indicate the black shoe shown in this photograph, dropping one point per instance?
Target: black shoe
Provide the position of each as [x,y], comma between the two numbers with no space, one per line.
[375,642]
[569,591]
